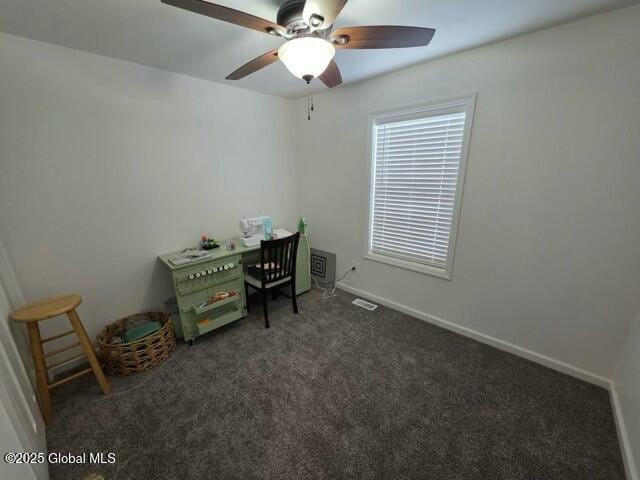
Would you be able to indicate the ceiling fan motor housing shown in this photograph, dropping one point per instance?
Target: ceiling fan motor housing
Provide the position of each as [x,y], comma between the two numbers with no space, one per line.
[290,16]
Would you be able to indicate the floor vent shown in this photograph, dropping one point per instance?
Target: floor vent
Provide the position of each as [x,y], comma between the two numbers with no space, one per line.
[364,304]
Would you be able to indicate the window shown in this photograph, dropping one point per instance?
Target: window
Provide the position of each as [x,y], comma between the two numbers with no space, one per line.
[417,174]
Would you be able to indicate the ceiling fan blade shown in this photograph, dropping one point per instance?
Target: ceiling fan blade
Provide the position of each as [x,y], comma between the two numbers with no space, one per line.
[331,76]
[384,36]
[254,65]
[228,15]
[320,14]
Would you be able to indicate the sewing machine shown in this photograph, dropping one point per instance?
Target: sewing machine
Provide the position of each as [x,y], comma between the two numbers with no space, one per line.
[252,230]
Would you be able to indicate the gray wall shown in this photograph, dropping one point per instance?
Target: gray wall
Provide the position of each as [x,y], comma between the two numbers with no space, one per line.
[105,164]
[627,386]
[547,254]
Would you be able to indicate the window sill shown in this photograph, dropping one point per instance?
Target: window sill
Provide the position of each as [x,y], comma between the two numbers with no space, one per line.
[414,267]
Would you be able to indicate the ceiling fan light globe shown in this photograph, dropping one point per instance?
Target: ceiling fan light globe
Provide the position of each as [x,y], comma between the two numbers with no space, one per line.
[307,56]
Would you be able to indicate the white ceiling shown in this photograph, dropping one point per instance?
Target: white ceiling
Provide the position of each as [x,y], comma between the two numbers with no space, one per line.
[151,33]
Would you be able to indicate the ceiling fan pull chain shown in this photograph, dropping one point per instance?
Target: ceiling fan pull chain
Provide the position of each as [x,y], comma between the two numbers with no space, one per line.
[309,103]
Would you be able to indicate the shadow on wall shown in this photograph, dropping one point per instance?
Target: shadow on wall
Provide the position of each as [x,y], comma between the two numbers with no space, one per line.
[11,289]
[159,287]
[627,386]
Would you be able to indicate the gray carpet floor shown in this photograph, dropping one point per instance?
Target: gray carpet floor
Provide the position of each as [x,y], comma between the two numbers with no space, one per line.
[337,392]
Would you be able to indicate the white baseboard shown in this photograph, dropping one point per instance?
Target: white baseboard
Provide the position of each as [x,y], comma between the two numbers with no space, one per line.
[524,353]
[481,337]
[623,438]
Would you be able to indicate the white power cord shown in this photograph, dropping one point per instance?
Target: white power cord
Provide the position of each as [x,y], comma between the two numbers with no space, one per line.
[331,292]
[325,291]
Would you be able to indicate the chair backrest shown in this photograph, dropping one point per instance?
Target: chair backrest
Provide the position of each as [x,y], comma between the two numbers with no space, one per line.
[278,259]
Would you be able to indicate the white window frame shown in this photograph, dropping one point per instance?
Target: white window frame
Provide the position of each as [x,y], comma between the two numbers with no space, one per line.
[467,104]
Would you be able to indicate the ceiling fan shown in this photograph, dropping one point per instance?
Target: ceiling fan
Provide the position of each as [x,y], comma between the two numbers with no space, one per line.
[311,42]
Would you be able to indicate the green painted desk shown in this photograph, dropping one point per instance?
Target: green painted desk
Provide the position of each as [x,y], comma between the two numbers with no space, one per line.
[220,271]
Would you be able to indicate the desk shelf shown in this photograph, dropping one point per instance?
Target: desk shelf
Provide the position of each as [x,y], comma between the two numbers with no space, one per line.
[199,310]
[228,317]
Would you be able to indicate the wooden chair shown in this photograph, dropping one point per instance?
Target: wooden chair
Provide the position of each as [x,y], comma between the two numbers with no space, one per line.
[43,310]
[276,269]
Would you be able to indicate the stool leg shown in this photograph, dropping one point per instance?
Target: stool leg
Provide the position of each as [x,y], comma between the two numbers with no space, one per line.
[41,372]
[88,350]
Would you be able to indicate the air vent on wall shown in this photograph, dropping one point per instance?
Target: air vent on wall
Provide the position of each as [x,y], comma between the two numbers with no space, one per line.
[323,266]
[364,304]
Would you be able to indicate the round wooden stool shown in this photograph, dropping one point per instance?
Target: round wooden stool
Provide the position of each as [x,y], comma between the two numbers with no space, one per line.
[43,310]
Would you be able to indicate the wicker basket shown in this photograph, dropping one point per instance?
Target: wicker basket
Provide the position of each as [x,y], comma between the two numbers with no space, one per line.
[135,357]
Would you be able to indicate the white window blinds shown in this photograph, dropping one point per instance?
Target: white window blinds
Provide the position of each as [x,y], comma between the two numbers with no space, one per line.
[417,160]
